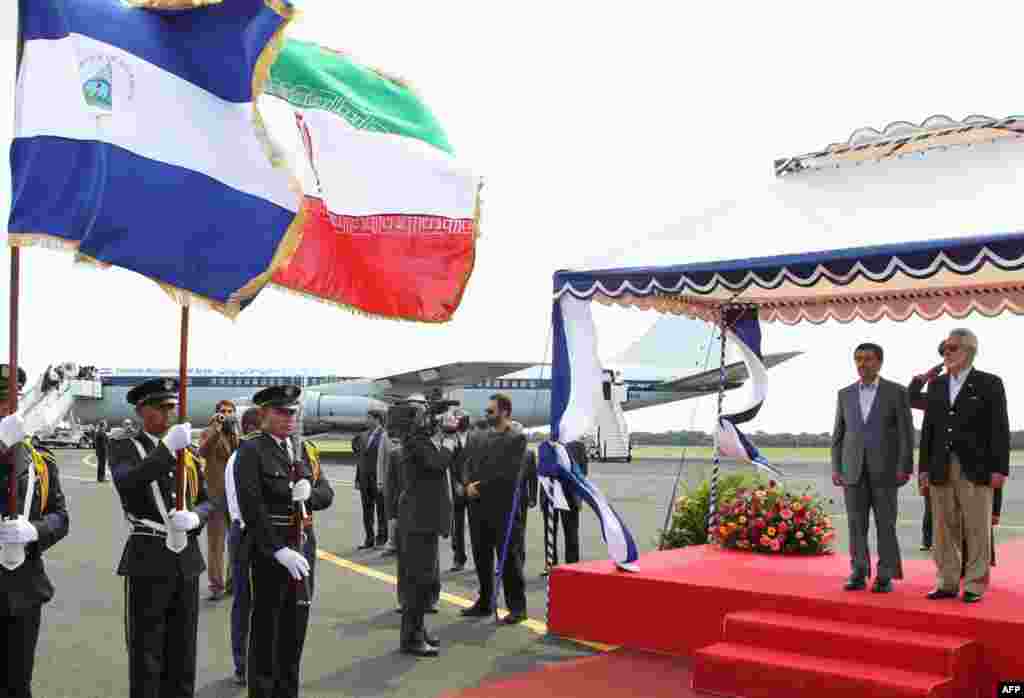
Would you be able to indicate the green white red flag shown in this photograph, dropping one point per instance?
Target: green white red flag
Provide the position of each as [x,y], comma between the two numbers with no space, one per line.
[391,218]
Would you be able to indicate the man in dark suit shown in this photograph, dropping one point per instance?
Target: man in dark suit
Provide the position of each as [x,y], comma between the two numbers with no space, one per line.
[491,493]
[872,457]
[370,475]
[100,441]
[161,562]
[964,458]
[462,450]
[424,514]
[25,587]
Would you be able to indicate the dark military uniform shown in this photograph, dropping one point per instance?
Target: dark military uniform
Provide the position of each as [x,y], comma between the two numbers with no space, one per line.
[424,513]
[24,590]
[280,607]
[161,586]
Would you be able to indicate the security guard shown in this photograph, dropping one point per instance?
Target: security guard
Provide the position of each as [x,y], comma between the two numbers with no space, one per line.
[161,562]
[424,513]
[25,588]
[281,577]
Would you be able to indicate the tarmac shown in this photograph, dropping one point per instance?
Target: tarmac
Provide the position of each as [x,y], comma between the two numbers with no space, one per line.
[352,645]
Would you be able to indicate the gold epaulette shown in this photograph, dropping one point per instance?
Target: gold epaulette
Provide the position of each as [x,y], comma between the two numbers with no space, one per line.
[42,460]
[250,435]
[313,452]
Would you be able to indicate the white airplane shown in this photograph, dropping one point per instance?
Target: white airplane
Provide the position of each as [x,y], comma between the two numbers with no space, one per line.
[335,403]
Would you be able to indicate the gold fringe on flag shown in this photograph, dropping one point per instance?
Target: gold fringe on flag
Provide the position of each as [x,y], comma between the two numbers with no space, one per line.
[170,4]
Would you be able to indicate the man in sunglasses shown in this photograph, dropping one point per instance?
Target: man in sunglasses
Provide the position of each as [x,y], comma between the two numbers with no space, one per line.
[491,493]
[161,562]
[282,571]
[964,458]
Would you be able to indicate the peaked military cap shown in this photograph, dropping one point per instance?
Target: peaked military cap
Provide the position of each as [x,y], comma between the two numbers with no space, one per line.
[155,390]
[5,374]
[286,396]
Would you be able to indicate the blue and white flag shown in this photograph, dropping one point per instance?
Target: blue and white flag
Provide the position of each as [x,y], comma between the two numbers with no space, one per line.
[138,143]
[576,376]
[744,329]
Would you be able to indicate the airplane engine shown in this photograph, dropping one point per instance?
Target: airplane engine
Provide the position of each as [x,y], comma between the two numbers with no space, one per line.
[347,413]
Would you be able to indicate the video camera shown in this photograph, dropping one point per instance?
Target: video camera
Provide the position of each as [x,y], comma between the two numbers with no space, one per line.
[418,416]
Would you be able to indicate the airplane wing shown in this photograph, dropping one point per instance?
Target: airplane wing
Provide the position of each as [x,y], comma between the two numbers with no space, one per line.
[735,375]
[447,376]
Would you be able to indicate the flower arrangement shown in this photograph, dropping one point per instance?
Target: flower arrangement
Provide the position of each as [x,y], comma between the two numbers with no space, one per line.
[767,518]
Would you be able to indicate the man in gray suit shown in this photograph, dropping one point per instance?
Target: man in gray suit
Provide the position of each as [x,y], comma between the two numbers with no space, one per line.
[872,457]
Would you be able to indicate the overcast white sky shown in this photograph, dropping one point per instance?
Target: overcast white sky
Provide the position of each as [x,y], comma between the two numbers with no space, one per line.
[605,134]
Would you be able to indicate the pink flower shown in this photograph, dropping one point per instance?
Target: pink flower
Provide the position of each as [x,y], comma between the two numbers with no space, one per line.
[783,528]
[787,514]
[776,544]
[759,522]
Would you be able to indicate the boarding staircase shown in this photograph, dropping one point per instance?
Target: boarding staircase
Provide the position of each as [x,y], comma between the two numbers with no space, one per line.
[611,434]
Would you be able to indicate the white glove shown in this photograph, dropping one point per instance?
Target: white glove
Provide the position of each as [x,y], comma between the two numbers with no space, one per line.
[301,490]
[18,531]
[12,430]
[184,520]
[178,437]
[296,564]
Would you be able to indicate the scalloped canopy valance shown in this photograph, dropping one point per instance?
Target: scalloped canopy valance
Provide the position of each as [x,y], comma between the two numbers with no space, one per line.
[954,277]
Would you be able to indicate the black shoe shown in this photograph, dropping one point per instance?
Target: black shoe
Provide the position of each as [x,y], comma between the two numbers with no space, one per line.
[431,639]
[855,584]
[475,611]
[366,545]
[882,586]
[514,618]
[431,609]
[925,547]
[240,677]
[399,609]
[381,542]
[936,594]
[215,596]
[545,573]
[971,597]
[420,649]
[458,567]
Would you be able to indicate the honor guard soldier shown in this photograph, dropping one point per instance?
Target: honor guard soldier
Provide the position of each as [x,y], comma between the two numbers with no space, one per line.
[161,562]
[24,586]
[279,485]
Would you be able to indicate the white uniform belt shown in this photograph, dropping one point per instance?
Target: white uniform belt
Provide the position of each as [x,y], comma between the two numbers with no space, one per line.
[154,527]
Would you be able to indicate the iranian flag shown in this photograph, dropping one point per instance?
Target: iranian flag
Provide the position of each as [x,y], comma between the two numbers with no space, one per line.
[390,216]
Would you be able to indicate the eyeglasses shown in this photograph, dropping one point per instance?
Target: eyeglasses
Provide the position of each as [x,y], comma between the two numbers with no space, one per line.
[950,348]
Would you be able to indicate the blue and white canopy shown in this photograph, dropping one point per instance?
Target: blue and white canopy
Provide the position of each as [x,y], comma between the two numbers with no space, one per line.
[954,277]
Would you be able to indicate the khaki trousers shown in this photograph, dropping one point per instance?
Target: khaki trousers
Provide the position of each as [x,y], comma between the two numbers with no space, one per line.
[216,527]
[961,514]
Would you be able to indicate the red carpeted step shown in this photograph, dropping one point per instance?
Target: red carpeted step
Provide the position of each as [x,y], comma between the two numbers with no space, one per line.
[822,637]
[728,669]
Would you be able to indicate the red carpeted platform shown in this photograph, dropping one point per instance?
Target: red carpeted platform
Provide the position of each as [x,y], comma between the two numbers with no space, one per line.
[760,626]
[619,674]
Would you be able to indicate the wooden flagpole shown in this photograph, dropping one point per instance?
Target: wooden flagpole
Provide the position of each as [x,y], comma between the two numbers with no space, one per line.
[181,502]
[12,375]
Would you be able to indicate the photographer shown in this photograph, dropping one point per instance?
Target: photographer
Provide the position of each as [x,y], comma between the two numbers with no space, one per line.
[424,514]
[218,442]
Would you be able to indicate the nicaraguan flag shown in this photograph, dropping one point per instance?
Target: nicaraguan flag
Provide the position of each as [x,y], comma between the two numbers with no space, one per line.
[138,143]
[744,328]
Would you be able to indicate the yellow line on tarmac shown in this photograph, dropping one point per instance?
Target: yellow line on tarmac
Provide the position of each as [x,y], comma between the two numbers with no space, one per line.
[534,625]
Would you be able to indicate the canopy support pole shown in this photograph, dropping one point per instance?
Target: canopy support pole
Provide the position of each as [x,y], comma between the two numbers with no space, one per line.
[713,495]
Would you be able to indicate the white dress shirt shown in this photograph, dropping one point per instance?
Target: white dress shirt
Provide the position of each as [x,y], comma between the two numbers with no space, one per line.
[229,490]
[867,392]
[955,383]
